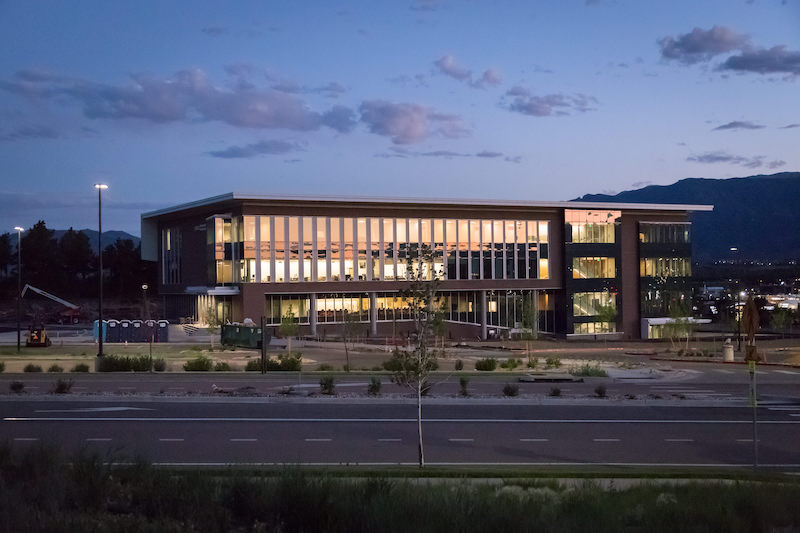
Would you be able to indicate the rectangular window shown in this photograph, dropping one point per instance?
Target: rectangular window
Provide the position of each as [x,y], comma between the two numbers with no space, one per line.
[463,249]
[668,267]
[593,267]
[666,233]
[322,249]
[363,244]
[307,252]
[590,303]
[438,248]
[401,240]
[336,248]
[266,250]
[374,266]
[389,249]
[591,226]
[451,234]
[281,249]
[475,249]
[533,249]
[349,245]
[294,249]
[498,266]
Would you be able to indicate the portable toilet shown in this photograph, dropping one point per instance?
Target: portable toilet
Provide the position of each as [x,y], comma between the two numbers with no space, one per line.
[112,331]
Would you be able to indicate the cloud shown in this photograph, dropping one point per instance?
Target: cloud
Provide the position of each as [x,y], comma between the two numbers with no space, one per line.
[701,45]
[550,104]
[271,147]
[401,152]
[408,123]
[214,31]
[640,184]
[790,126]
[29,132]
[720,156]
[448,66]
[187,96]
[739,125]
[773,60]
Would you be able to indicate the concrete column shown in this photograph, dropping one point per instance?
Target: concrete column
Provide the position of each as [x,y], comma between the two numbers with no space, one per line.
[312,314]
[484,332]
[373,315]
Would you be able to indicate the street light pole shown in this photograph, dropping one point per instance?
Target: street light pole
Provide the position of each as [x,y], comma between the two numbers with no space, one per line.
[100,187]
[19,283]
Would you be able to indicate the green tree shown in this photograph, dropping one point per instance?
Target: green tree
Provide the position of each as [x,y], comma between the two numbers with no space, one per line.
[289,327]
[6,253]
[212,323]
[681,324]
[123,261]
[39,257]
[412,368]
[350,330]
[782,320]
[76,256]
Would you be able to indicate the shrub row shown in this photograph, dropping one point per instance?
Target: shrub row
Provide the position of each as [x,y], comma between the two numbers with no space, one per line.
[289,362]
[124,363]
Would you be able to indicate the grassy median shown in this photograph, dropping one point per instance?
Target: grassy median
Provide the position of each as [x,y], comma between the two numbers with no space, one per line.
[41,490]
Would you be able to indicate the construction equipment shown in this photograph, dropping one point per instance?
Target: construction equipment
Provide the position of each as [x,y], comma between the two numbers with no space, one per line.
[37,338]
[72,314]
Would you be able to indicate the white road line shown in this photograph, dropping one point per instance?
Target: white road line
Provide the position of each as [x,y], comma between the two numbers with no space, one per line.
[170,440]
[692,371]
[126,388]
[606,440]
[26,439]
[392,420]
[318,440]
[783,408]
[461,440]
[790,372]
[390,440]
[690,391]
[794,414]
[722,371]
[678,440]
[534,440]
[98,439]
[243,440]
[746,440]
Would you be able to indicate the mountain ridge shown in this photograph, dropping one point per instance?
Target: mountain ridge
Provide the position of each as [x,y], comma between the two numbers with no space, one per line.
[758,215]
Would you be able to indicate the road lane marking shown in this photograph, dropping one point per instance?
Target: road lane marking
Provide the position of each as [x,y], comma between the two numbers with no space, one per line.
[692,371]
[746,440]
[94,410]
[318,440]
[26,439]
[390,440]
[393,420]
[678,440]
[722,371]
[748,464]
[243,440]
[461,440]
[170,440]
[606,440]
[790,372]
[98,439]
[783,408]
[534,440]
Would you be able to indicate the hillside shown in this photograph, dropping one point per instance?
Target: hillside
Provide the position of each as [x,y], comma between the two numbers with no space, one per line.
[109,237]
[760,215]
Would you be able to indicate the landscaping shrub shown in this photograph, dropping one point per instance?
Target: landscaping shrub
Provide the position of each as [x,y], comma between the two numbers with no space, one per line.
[80,367]
[374,387]
[55,368]
[552,362]
[600,391]
[160,364]
[326,385]
[486,365]
[555,391]
[62,386]
[459,364]
[463,382]
[533,362]
[2,366]
[201,363]
[30,367]
[124,363]
[509,363]
[324,367]
[511,389]
[16,386]
[290,362]
[589,371]
[253,365]
[222,366]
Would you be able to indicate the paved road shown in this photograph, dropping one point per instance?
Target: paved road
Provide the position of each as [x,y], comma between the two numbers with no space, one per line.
[335,432]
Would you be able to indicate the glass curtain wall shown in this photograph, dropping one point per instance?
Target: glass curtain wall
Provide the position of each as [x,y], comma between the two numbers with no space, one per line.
[293,249]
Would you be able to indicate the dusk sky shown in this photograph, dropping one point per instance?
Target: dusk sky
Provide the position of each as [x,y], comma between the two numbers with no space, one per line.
[170,101]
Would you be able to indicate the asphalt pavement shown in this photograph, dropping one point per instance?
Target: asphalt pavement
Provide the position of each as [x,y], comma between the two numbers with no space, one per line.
[379,432]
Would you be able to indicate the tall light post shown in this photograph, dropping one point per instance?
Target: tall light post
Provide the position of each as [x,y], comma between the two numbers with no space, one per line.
[739,296]
[100,187]
[19,283]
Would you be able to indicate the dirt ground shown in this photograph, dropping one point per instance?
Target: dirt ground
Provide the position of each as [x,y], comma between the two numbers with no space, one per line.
[369,356]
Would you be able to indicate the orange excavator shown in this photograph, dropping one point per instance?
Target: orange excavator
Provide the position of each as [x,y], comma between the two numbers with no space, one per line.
[37,334]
